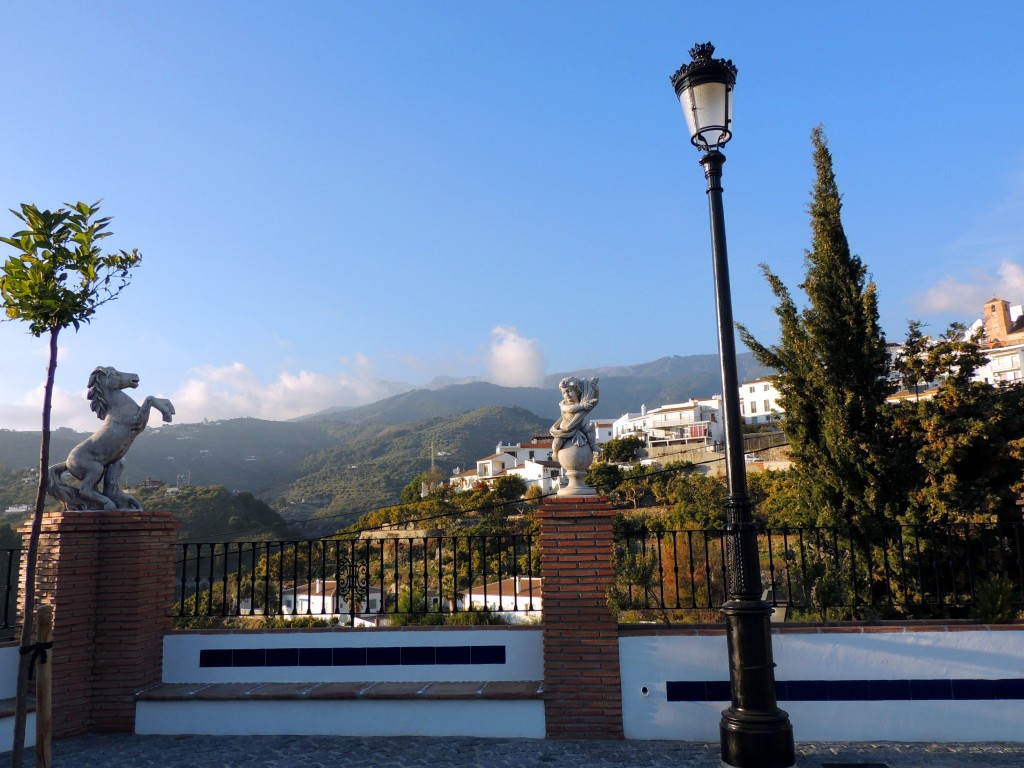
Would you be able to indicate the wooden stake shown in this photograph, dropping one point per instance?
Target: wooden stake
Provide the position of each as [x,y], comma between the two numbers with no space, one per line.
[44,678]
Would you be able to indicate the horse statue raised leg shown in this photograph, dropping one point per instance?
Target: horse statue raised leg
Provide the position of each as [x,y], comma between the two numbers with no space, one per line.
[99,457]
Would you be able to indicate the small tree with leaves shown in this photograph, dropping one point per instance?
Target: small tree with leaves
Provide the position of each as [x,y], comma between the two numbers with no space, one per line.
[622,450]
[57,278]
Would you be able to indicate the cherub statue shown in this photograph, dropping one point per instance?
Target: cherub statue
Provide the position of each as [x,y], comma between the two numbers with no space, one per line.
[99,457]
[574,443]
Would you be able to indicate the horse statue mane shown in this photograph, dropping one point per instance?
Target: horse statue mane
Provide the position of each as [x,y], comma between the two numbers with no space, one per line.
[94,392]
[100,456]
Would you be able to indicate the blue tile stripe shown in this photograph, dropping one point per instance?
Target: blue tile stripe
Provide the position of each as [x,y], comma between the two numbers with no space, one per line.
[416,655]
[858,690]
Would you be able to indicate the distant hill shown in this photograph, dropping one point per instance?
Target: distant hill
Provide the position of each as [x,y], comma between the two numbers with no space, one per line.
[215,514]
[623,389]
[318,475]
[253,455]
[372,464]
[449,401]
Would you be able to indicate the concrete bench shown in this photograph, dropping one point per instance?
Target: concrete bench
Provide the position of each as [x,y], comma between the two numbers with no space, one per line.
[495,708]
[7,723]
[7,706]
[497,690]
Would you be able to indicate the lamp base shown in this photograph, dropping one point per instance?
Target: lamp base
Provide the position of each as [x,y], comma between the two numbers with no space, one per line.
[761,739]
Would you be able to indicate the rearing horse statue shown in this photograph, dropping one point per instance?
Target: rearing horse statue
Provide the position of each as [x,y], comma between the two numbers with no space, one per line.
[99,457]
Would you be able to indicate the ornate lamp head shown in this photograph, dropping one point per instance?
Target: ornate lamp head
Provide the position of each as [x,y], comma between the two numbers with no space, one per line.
[704,87]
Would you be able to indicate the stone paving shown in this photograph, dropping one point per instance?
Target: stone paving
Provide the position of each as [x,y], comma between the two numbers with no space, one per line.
[129,751]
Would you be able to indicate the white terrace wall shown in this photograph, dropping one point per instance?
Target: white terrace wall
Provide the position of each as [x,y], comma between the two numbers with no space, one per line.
[899,683]
[8,685]
[314,659]
[930,682]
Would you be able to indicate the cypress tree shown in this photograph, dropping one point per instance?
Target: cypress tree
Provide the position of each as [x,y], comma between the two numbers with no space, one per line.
[832,369]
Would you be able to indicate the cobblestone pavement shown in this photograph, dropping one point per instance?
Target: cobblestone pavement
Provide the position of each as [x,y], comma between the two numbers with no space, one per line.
[129,751]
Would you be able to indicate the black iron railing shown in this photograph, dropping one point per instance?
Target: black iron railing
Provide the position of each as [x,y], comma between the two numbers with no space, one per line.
[10,571]
[359,581]
[941,571]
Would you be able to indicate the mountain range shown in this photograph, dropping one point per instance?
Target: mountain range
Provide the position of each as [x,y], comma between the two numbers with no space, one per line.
[323,471]
[624,388]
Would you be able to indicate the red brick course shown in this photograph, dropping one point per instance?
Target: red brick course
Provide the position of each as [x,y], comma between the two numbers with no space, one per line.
[583,695]
[110,578]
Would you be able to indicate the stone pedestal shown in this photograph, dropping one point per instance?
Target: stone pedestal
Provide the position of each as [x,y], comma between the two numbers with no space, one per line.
[110,578]
[576,461]
[583,697]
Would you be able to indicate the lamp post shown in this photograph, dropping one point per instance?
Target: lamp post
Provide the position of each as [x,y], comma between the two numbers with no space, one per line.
[754,731]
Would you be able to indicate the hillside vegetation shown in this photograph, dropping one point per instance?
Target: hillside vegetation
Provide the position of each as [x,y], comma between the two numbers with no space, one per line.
[372,465]
[216,514]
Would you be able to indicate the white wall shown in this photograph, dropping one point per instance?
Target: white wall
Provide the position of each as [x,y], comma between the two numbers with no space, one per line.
[648,662]
[8,687]
[8,670]
[495,718]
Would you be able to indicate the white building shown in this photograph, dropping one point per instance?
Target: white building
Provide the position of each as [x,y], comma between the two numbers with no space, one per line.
[690,424]
[463,480]
[520,597]
[759,402]
[604,430]
[537,449]
[1005,365]
[693,423]
[322,600]
[631,424]
[530,461]
[493,466]
[546,475]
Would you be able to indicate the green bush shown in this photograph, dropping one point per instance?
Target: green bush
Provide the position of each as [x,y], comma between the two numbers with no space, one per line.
[994,601]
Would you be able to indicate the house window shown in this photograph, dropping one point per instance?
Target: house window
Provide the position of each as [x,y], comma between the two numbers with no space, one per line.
[766,387]
[743,407]
[753,406]
[752,389]
[767,407]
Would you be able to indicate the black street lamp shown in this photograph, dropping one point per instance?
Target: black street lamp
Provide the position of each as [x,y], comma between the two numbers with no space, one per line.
[755,733]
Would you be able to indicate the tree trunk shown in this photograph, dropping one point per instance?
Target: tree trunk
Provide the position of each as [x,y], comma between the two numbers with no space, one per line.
[25,658]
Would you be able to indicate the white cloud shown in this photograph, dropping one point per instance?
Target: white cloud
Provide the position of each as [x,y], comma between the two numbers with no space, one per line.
[217,392]
[514,361]
[965,297]
[233,390]
[69,409]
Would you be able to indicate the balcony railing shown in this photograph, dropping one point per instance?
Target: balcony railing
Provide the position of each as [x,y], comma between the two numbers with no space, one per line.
[816,574]
[359,581]
[941,571]
[10,570]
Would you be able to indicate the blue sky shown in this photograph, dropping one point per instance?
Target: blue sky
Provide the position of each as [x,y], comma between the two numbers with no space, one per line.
[333,196]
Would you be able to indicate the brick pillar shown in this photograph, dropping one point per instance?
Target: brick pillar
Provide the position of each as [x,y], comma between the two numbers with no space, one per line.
[110,578]
[583,695]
